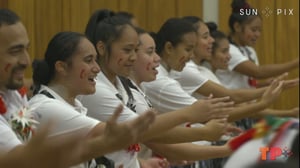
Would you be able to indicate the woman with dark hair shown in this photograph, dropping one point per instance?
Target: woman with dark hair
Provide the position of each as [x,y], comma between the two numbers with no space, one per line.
[71,59]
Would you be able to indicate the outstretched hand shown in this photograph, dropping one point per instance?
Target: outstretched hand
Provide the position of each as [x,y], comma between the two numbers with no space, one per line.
[211,108]
[128,131]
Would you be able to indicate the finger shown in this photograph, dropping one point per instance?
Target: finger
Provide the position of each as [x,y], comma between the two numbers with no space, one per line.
[116,114]
[220,99]
[278,89]
[282,76]
[234,129]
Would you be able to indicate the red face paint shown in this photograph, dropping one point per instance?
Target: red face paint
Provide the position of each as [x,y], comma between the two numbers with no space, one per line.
[148,66]
[7,66]
[82,73]
[119,61]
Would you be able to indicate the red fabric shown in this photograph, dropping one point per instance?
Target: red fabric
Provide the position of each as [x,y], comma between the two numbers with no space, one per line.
[236,142]
[22,91]
[2,106]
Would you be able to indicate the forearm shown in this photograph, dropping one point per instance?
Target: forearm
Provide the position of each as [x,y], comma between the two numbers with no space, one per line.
[182,134]
[246,110]
[165,122]
[189,151]
[278,113]
[244,95]
[272,70]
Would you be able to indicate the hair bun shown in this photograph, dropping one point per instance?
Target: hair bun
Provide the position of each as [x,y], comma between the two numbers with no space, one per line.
[212,26]
[237,5]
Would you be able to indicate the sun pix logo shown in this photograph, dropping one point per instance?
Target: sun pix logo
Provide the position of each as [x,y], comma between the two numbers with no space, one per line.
[274,153]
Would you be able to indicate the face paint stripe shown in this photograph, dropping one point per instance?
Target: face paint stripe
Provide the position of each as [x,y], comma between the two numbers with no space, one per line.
[82,73]
[7,66]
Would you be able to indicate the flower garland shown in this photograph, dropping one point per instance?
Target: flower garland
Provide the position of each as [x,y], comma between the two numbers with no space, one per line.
[21,122]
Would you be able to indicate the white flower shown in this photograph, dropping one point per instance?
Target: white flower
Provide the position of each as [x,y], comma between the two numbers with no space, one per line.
[22,123]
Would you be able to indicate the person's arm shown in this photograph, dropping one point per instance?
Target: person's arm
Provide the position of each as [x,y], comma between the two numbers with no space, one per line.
[237,95]
[211,131]
[105,138]
[265,71]
[294,112]
[190,152]
[270,95]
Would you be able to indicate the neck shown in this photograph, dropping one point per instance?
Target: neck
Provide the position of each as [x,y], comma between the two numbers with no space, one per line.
[212,67]
[236,40]
[165,65]
[109,75]
[63,92]
[196,60]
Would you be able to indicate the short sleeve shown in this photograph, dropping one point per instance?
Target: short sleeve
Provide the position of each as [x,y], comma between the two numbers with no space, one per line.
[236,57]
[66,118]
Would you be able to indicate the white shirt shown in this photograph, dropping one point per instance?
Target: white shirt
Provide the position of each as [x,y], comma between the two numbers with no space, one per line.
[205,70]
[232,79]
[165,93]
[67,118]
[14,102]
[102,104]
[8,139]
[190,79]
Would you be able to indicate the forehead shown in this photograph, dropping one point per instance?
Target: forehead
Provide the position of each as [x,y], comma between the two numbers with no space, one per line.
[11,35]
[202,28]
[128,35]
[189,38]
[146,40]
[85,47]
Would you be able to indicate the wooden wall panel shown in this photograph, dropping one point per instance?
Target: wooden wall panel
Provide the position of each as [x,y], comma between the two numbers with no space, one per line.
[189,8]
[138,8]
[158,12]
[48,22]
[287,46]
[78,16]
[101,4]
[3,3]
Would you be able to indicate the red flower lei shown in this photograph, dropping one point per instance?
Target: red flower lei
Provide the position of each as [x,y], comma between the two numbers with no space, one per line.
[3,109]
[134,148]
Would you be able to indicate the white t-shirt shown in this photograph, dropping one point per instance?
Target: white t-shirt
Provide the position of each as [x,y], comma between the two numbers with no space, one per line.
[190,79]
[67,118]
[8,139]
[102,104]
[165,93]
[206,72]
[14,102]
[232,79]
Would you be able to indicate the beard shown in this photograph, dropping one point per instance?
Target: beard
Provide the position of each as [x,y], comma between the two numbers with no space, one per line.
[15,84]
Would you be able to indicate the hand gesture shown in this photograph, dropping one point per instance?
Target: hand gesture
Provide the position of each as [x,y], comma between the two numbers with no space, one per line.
[272,92]
[121,135]
[204,110]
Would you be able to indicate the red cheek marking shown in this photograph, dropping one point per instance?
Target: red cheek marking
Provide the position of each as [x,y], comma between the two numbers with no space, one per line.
[120,60]
[148,66]
[82,73]
[182,60]
[7,66]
